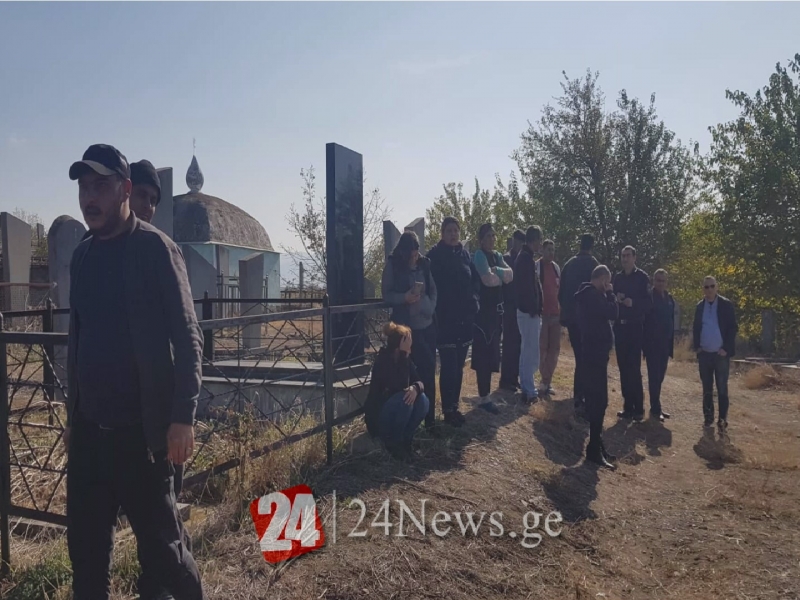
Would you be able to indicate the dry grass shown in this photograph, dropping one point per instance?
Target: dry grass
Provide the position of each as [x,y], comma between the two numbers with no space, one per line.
[688,514]
[683,351]
[761,377]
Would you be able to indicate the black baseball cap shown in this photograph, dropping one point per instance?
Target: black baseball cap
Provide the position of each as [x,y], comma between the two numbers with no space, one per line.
[102,159]
[144,172]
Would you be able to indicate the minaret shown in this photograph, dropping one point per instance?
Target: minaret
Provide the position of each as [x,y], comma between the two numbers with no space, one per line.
[194,176]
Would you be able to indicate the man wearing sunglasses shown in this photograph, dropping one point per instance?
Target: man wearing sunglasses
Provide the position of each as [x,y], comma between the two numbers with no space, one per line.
[714,340]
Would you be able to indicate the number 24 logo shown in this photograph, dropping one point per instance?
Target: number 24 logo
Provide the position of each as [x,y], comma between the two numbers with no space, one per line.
[287,523]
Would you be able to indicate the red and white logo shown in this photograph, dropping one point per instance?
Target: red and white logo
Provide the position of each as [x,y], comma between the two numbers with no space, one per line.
[287,523]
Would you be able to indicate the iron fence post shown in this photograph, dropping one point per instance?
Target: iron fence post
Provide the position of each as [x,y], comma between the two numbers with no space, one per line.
[327,369]
[5,460]
[48,376]
[208,334]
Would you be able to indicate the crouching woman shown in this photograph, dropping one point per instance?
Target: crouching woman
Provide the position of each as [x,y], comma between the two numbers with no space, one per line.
[396,404]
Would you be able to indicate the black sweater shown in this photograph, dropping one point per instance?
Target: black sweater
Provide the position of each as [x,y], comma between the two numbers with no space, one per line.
[389,376]
[528,286]
[457,286]
[576,272]
[595,311]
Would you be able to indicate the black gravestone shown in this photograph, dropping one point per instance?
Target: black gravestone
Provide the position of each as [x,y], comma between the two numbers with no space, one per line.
[344,247]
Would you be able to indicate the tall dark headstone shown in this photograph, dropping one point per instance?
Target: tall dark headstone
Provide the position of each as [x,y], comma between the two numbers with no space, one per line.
[345,248]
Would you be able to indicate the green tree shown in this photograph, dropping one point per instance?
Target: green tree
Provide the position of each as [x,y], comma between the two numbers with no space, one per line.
[471,212]
[620,175]
[703,250]
[754,168]
[308,223]
[505,207]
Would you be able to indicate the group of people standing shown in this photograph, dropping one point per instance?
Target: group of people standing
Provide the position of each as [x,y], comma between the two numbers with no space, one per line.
[506,308]
[511,309]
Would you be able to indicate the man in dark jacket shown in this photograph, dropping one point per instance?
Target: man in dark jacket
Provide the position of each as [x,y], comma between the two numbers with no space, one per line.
[632,287]
[596,310]
[134,375]
[529,311]
[659,336]
[456,307]
[509,367]
[714,340]
[577,271]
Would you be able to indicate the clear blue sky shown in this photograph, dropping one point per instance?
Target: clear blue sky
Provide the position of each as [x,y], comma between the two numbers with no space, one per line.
[428,93]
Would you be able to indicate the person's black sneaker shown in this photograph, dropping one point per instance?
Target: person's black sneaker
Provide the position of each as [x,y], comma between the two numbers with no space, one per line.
[508,387]
[657,416]
[665,415]
[490,407]
[708,423]
[454,418]
[722,424]
[638,417]
[624,414]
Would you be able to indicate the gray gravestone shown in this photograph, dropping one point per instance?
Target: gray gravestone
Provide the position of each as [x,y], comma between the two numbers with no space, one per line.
[391,236]
[767,331]
[344,244]
[202,276]
[251,285]
[16,236]
[63,237]
[418,227]
[164,217]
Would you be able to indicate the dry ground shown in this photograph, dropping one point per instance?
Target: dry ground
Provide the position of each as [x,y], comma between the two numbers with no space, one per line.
[686,515]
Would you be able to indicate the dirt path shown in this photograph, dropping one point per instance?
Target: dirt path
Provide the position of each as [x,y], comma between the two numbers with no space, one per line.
[686,515]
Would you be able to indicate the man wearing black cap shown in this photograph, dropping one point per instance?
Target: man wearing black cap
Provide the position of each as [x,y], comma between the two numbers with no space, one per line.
[509,367]
[134,374]
[146,192]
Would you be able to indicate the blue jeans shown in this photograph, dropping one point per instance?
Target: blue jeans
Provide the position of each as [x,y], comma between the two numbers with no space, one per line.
[399,421]
[529,328]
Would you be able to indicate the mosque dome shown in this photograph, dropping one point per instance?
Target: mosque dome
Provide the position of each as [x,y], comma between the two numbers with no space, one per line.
[200,218]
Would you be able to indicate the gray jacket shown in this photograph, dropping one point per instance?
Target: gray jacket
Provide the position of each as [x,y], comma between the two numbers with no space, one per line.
[167,341]
[394,286]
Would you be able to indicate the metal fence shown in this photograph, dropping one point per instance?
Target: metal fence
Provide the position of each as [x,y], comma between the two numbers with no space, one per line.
[301,380]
